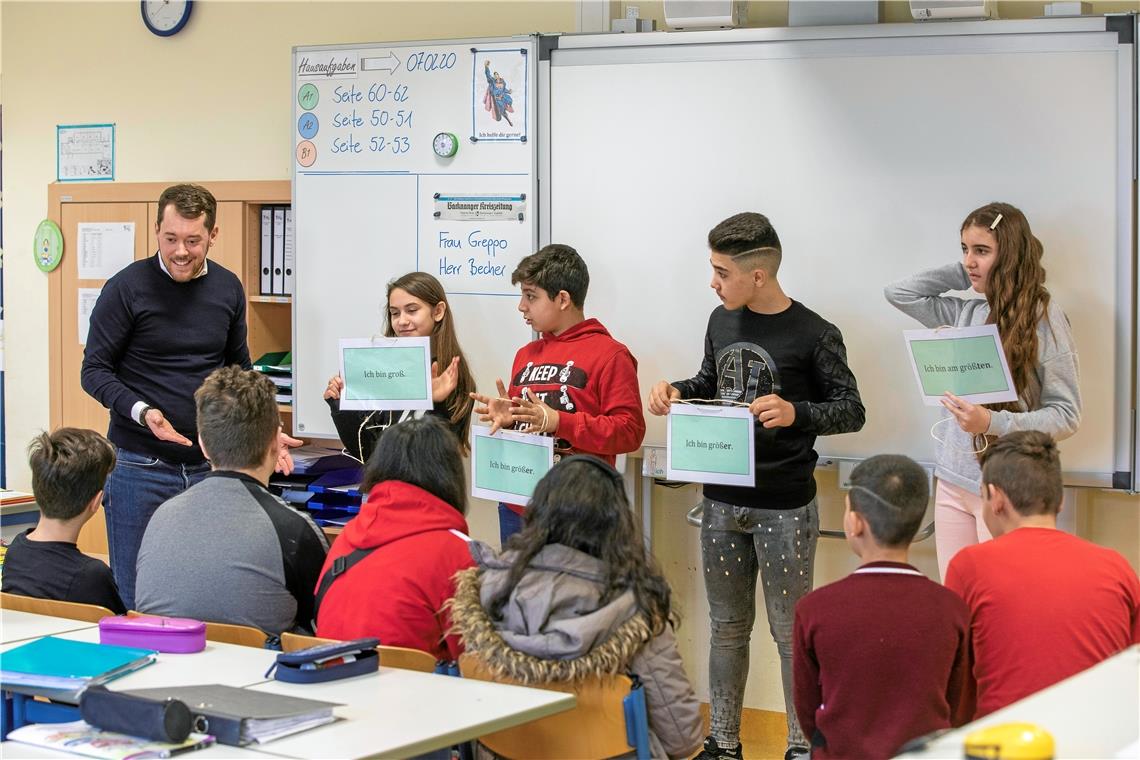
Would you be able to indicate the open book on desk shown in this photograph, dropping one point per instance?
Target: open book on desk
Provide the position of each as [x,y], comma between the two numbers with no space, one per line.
[81,738]
[241,716]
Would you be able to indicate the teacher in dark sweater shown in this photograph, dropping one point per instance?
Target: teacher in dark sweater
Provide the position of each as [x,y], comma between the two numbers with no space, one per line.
[160,326]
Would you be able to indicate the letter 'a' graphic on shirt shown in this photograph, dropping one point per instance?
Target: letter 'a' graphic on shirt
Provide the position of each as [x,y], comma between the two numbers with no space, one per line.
[745,371]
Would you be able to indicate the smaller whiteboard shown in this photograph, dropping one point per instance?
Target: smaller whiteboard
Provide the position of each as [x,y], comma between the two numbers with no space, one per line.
[711,444]
[385,373]
[507,466]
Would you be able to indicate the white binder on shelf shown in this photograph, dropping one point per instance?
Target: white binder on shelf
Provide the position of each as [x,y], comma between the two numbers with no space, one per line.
[290,262]
[266,250]
[277,277]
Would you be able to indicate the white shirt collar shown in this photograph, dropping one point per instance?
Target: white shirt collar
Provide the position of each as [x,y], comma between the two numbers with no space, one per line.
[205,268]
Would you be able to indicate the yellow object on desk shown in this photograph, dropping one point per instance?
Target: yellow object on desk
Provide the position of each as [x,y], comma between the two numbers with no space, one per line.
[1010,741]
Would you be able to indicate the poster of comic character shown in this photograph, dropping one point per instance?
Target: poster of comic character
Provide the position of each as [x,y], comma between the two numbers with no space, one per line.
[499,94]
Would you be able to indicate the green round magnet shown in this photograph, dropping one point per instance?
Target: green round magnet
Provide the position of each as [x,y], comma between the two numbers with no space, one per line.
[48,248]
[308,96]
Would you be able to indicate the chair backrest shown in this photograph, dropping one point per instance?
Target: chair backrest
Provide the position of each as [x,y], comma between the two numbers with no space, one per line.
[242,635]
[90,613]
[390,657]
[594,728]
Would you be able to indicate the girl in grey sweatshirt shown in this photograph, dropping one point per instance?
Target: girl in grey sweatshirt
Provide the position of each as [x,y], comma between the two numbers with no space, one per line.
[1002,261]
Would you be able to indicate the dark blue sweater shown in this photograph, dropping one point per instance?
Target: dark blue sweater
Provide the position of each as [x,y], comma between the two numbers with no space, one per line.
[155,340]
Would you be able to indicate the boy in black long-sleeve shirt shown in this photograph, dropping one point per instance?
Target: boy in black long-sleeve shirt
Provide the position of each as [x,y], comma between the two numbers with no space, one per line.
[789,365]
[69,468]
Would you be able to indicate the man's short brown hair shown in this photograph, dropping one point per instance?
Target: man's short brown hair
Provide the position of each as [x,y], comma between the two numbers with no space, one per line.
[238,419]
[1026,465]
[69,467]
[190,201]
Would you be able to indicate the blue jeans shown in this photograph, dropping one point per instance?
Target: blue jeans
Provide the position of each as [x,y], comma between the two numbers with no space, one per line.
[137,487]
[510,523]
[736,543]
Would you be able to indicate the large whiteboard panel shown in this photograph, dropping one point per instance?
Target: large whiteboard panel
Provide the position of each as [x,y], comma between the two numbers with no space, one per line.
[367,187]
[866,155]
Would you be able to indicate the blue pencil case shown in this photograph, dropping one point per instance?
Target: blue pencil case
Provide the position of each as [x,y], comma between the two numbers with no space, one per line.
[327,662]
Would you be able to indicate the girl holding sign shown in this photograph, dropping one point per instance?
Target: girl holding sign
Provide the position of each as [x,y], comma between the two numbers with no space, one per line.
[417,308]
[576,595]
[1001,259]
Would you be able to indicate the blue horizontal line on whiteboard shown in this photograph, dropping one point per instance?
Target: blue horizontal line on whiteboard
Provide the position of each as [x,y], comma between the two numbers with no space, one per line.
[462,293]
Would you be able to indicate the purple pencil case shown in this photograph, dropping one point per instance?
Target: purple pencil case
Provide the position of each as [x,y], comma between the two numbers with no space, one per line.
[164,634]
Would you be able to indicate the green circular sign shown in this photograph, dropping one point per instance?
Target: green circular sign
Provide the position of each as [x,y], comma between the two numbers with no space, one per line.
[48,247]
[308,96]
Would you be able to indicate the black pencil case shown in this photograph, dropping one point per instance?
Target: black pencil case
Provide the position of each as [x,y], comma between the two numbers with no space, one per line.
[327,662]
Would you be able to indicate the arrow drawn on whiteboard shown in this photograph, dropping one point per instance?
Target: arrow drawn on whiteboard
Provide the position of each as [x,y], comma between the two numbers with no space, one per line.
[388,63]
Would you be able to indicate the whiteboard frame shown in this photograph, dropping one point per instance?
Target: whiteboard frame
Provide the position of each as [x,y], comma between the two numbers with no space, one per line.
[1035,35]
[529,41]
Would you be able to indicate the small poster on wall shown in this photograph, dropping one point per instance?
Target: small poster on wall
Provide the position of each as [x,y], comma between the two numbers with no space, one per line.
[85,152]
[498,94]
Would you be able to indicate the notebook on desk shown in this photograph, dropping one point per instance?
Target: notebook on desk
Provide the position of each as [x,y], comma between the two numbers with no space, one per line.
[63,666]
[242,716]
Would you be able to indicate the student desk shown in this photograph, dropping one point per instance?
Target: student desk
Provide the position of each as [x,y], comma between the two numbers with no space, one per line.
[389,713]
[226,664]
[401,713]
[24,626]
[1095,713]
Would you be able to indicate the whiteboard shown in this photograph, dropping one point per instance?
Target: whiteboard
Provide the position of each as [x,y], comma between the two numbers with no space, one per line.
[367,187]
[866,152]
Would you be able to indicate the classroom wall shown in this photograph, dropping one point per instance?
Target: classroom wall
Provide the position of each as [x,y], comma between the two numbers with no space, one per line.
[214,103]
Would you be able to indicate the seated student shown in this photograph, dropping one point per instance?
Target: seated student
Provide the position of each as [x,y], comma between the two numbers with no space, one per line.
[226,550]
[404,547]
[882,656]
[1044,604]
[576,595]
[69,468]
[575,382]
[416,308]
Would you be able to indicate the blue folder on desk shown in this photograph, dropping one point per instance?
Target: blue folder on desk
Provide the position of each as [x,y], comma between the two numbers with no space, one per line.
[64,665]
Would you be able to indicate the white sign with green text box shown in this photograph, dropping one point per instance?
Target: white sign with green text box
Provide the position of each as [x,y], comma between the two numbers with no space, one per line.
[711,444]
[385,373]
[507,466]
[966,361]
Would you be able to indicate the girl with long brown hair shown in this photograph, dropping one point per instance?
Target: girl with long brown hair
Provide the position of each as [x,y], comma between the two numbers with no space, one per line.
[1001,259]
[417,307]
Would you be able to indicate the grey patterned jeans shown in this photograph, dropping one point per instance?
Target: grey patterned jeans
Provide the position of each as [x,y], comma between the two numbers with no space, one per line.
[736,542]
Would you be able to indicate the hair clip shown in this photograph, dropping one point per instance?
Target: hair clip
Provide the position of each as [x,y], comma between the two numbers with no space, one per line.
[997,219]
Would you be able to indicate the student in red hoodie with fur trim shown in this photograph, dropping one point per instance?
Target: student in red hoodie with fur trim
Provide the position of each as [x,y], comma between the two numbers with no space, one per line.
[575,382]
[403,548]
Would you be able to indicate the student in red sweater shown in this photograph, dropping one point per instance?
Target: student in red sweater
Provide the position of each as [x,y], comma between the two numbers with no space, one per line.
[1044,604]
[575,382]
[882,656]
[401,552]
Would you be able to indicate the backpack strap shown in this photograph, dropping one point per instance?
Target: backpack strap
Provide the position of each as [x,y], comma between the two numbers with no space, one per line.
[340,566]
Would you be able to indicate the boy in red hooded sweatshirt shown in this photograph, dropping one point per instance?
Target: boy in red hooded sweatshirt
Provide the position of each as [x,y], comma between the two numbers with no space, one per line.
[575,382]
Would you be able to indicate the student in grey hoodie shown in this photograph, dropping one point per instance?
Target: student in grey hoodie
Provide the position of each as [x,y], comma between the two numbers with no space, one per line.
[576,595]
[1001,259]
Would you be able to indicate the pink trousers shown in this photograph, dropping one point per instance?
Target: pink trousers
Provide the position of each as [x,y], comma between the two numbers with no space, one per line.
[958,522]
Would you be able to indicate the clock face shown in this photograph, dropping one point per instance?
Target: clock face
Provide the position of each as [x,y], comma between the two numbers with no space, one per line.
[166,17]
[445,144]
